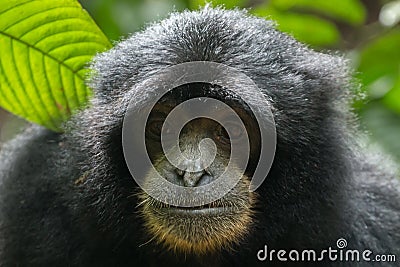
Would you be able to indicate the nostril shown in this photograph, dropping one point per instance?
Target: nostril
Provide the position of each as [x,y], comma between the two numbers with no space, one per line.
[192,179]
[205,179]
[179,172]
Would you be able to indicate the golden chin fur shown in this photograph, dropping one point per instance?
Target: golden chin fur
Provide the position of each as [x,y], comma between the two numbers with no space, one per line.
[201,233]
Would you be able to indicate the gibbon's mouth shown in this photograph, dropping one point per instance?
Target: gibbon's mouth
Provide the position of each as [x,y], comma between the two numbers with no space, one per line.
[200,210]
[199,229]
[215,208]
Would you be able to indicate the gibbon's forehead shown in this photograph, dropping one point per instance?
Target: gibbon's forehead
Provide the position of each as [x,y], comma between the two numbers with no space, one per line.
[234,38]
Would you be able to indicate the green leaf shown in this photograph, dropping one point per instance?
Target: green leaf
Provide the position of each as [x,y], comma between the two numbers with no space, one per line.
[350,11]
[380,57]
[306,28]
[392,98]
[44,48]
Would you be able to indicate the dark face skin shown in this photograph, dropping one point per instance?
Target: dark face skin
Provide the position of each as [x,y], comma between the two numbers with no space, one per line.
[213,226]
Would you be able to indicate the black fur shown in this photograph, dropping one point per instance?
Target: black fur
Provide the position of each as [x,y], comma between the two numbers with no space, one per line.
[68,199]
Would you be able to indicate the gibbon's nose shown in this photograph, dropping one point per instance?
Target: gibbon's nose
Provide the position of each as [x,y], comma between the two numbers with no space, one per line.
[193,179]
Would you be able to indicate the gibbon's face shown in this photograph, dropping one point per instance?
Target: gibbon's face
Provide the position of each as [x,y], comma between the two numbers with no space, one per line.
[209,227]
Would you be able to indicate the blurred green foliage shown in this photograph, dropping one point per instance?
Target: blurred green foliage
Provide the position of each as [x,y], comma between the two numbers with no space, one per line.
[367,31]
[312,21]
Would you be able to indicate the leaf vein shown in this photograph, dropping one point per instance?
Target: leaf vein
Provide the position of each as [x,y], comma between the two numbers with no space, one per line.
[44,53]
